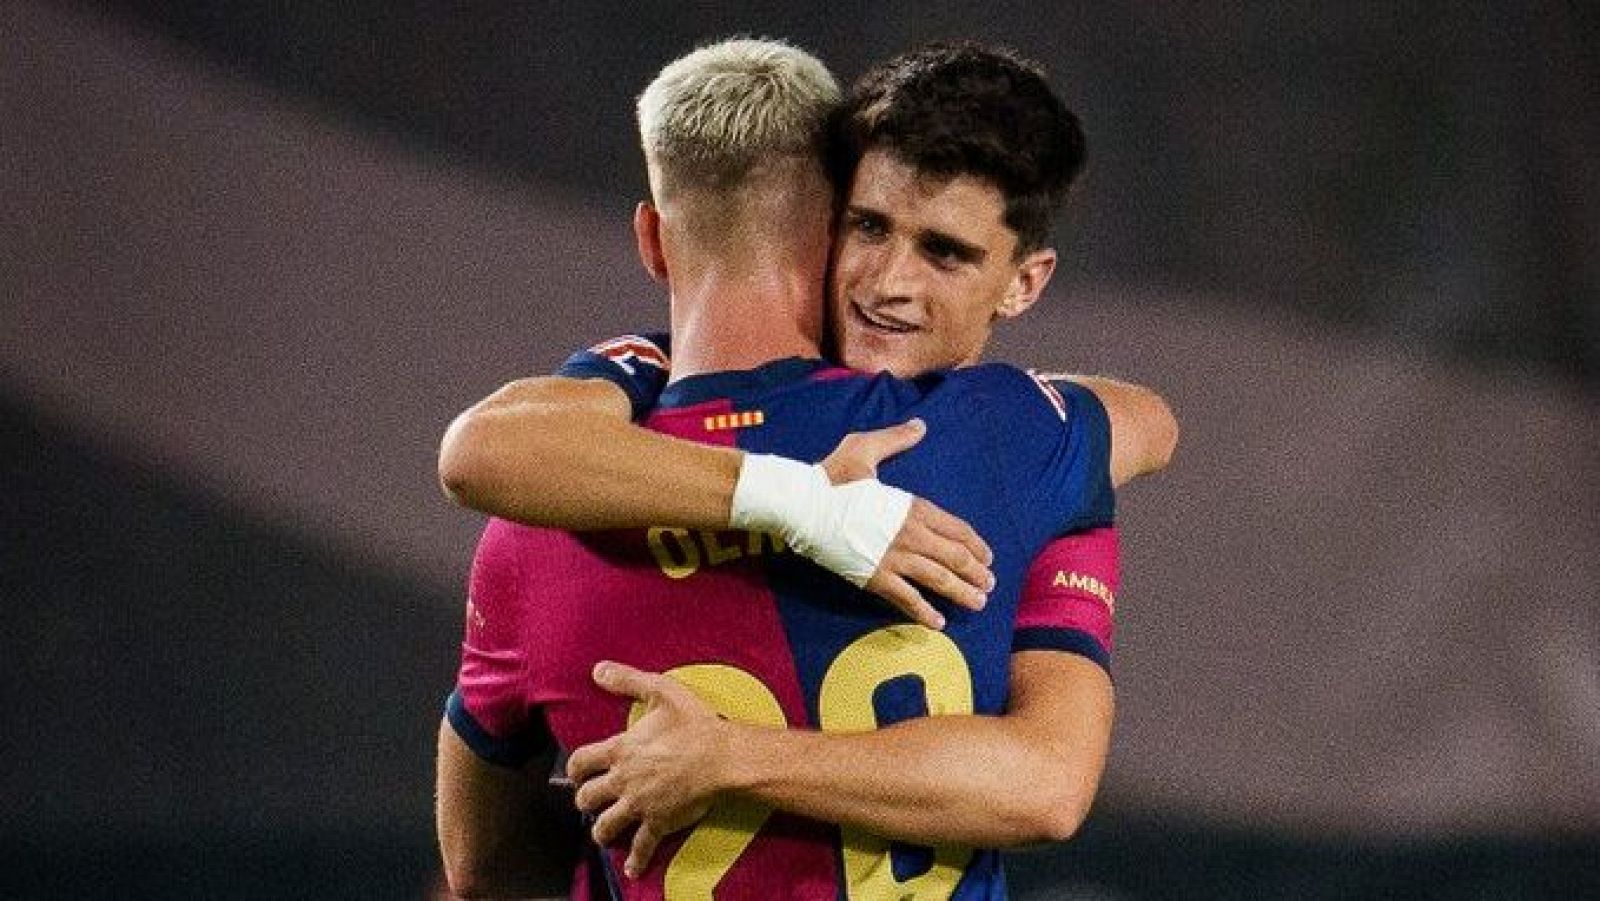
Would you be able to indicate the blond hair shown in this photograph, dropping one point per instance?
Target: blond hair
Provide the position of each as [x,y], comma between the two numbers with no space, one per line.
[714,116]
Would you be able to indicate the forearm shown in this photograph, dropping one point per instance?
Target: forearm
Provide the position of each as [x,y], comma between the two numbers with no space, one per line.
[925,781]
[502,833]
[987,781]
[563,454]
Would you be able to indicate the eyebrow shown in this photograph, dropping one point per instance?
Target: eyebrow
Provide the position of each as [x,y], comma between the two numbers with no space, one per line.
[965,251]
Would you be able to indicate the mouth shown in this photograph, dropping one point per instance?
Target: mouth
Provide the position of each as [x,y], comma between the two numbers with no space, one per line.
[877,321]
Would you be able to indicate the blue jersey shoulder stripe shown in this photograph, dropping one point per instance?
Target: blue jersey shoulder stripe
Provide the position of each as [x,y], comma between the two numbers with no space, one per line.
[1072,641]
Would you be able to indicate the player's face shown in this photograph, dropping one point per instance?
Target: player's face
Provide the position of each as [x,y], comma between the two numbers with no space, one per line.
[922,267]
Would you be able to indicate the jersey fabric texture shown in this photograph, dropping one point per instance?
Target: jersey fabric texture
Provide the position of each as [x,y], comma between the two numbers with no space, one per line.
[767,637]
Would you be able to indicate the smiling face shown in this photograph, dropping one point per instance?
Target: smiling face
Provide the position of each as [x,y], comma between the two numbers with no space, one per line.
[922,268]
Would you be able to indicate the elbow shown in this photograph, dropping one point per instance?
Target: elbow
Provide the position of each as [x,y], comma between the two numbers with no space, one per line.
[1156,431]
[460,875]
[463,466]
[456,470]
[1063,823]
[1057,816]
[1144,432]
[470,879]
[471,888]
[1165,443]
[466,886]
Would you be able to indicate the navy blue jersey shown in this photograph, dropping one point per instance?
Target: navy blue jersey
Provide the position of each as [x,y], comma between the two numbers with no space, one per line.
[1068,598]
[635,363]
[1020,459]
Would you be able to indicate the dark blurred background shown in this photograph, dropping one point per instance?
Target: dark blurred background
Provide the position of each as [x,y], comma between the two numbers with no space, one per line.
[254,256]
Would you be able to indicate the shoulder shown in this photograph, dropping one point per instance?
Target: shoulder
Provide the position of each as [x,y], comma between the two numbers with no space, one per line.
[638,363]
[498,563]
[626,354]
[1026,393]
[649,349]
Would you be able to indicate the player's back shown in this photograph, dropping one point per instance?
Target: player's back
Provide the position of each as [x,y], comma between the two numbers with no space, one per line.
[768,638]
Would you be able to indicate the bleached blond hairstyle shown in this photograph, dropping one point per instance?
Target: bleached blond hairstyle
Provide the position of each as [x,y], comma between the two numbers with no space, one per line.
[716,114]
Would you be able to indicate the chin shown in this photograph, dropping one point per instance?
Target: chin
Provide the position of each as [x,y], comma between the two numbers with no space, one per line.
[868,353]
[897,368]
[868,365]
[870,361]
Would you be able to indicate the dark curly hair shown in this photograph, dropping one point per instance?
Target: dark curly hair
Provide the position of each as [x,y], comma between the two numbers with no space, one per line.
[959,108]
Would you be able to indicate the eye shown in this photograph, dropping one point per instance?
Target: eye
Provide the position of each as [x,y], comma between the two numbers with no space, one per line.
[945,253]
[867,225]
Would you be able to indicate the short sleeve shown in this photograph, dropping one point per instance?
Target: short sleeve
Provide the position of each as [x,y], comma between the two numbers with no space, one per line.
[489,708]
[638,364]
[1076,491]
[1069,597]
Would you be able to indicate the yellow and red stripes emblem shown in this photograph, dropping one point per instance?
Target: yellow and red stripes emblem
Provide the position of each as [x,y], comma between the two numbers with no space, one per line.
[743,419]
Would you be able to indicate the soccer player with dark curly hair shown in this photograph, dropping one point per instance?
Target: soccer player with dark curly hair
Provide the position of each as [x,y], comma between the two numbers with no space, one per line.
[756,726]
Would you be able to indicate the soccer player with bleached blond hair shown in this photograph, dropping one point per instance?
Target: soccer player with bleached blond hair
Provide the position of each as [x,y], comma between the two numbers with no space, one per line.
[795,726]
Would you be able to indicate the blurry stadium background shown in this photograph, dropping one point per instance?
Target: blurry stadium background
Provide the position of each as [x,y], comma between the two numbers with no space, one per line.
[254,256]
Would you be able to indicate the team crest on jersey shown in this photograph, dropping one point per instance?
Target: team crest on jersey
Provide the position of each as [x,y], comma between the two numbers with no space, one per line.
[1051,393]
[725,421]
[631,349]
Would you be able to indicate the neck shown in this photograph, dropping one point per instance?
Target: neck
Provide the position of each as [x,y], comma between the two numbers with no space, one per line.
[724,320]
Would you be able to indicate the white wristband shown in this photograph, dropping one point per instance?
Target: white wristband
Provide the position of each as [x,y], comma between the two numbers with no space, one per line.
[843,528]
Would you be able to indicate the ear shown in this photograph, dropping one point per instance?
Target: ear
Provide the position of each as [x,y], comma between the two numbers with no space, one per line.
[1027,283]
[647,232]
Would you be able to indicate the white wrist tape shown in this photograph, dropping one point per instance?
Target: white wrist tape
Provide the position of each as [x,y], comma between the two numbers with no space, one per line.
[843,528]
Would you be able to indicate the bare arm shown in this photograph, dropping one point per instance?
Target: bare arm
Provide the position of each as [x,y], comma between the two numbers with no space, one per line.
[562,453]
[1144,433]
[1025,777]
[503,833]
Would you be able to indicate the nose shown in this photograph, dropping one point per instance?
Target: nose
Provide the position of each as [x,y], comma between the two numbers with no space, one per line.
[897,273]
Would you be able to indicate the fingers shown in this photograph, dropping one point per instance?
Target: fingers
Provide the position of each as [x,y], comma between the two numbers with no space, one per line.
[939,553]
[590,760]
[953,529]
[887,584]
[881,444]
[622,679]
[858,454]
[946,566]
[597,794]
[954,561]
[942,580]
[645,840]
[613,822]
